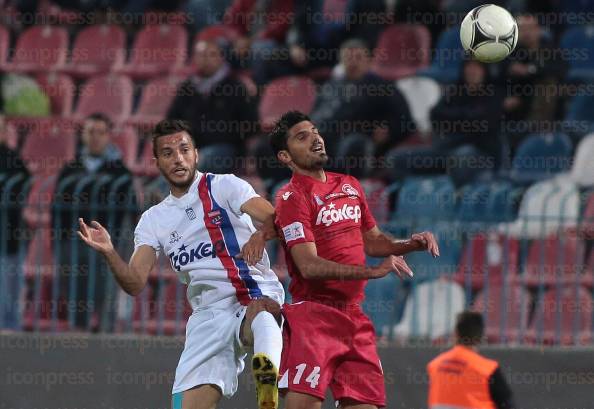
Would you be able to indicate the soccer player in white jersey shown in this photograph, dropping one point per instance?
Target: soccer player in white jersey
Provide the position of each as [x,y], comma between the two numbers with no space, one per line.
[205,229]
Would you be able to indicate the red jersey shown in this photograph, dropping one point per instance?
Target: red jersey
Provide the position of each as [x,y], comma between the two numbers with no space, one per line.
[333,215]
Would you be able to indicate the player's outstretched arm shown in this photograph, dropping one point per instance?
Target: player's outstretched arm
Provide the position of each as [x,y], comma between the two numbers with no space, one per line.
[262,211]
[314,267]
[379,244]
[132,276]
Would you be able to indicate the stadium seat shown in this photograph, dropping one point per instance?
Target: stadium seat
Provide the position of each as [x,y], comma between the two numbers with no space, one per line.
[401,50]
[145,166]
[97,50]
[4,46]
[447,60]
[375,192]
[284,94]
[157,50]
[546,207]
[48,146]
[563,315]
[157,96]
[109,94]
[559,258]
[506,309]
[582,170]
[579,38]
[421,94]
[40,48]
[435,319]
[126,139]
[37,211]
[540,156]
[60,90]
[216,31]
[485,202]
[488,258]
[579,117]
[426,198]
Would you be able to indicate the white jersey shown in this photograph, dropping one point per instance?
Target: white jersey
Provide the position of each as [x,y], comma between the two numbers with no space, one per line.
[201,233]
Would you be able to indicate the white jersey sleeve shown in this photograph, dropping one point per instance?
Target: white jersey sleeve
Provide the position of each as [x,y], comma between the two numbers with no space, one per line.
[234,191]
[144,234]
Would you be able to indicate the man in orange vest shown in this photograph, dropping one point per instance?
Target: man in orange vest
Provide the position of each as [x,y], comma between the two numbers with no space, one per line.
[461,378]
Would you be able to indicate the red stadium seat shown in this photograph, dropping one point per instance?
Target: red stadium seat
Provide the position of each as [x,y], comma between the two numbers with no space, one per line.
[48,146]
[146,165]
[488,258]
[109,94]
[157,50]
[97,49]
[506,308]
[39,49]
[554,259]
[375,192]
[401,50]
[126,139]
[157,96]
[284,94]
[4,46]
[562,316]
[37,212]
[60,89]
[216,31]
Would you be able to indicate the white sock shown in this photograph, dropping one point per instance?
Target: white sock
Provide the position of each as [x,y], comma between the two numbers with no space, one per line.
[268,337]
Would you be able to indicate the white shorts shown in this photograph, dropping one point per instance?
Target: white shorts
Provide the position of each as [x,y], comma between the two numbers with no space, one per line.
[213,353]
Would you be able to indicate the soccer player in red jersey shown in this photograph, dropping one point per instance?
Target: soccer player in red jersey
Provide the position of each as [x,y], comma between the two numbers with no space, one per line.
[327,229]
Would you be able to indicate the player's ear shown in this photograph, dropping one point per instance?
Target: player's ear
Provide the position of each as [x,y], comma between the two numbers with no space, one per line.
[284,157]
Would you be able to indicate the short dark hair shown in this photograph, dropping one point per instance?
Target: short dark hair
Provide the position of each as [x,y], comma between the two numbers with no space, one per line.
[169,127]
[279,134]
[100,116]
[469,328]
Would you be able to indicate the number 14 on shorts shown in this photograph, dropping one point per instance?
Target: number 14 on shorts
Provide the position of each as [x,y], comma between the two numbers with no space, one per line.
[312,379]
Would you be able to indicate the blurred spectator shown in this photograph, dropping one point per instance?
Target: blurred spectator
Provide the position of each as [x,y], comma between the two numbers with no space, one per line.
[262,26]
[203,13]
[530,70]
[466,139]
[108,203]
[11,165]
[359,112]
[218,107]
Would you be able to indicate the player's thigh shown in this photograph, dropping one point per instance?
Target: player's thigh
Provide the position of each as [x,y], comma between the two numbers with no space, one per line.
[351,404]
[254,308]
[200,397]
[295,400]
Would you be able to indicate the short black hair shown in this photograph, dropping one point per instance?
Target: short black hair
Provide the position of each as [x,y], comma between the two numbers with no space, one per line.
[169,127]
[100,116]
[469,328]
[279,134]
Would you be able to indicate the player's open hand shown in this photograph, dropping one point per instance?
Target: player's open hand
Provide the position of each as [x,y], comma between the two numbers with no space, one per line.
[95,236]
[426,241]
[253,250]
[396,264]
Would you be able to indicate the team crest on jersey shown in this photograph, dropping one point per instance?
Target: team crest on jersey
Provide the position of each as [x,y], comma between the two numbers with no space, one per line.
[215,217]
[349,190]
[174,237]
[191,214]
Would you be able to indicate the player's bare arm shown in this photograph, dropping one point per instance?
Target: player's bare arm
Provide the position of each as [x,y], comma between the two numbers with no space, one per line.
[261,211]
[132,276]
[380,244]
[314,267]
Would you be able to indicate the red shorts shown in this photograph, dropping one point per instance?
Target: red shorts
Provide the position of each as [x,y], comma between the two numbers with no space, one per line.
[328,347]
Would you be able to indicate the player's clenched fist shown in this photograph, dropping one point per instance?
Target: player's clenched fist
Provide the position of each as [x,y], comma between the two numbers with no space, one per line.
[393,263]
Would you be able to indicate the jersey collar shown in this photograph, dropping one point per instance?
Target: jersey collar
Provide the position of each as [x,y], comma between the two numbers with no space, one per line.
[190,196]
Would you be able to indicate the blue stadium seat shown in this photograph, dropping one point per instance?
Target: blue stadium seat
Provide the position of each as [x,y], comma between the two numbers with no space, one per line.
[447,59]
[473,202]
[580,114]
[540,156]
[489,202]
[579,40]
[432,198]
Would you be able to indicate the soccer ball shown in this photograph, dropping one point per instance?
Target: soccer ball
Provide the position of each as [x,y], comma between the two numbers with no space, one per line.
[489,33]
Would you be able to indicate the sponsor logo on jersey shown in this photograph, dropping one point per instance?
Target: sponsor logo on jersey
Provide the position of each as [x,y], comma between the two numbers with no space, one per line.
[329,214]
[190,213]
[294,231]
[184,255]
[174,237]
[349,190]
[215,217]
[286,195]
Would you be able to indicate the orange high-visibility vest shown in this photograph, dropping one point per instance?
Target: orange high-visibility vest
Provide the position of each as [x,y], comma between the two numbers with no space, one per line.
[459,379]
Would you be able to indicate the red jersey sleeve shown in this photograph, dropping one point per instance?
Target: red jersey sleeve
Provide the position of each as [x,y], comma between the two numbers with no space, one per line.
[293,218]
[367,220]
